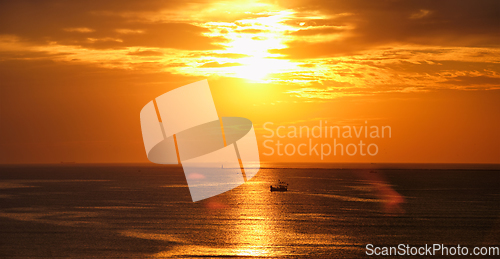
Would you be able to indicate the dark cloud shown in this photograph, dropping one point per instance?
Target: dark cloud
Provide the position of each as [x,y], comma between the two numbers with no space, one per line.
[376,23]
[303,50]
[474,80]
[317,31]
[306,21]
[99,25]
[146,53]
[29,55]
[436,68]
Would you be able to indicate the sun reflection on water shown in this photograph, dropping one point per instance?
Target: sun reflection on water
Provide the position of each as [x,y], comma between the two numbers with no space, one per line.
[255,226]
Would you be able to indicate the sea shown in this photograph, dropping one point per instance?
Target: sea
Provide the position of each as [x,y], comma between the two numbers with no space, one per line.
[329,211]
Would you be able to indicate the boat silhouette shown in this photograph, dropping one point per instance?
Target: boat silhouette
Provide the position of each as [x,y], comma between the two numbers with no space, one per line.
[280,187]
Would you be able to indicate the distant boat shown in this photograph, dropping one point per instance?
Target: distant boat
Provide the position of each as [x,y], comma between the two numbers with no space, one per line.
[280,187]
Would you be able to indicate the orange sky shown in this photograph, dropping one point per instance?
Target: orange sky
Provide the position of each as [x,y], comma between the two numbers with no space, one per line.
[75,75]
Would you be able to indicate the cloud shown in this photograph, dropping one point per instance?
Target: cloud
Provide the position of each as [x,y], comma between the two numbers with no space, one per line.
[378,23]
[228,55]
[420,14]
[81,30]
[317,31]
[29,55]
[474,80]
[146,53]
[252,31]
[217,64]
[95,25]
[304,50]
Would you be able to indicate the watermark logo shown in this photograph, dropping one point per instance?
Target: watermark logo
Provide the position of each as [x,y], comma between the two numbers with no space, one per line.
[323,140]
[217,154]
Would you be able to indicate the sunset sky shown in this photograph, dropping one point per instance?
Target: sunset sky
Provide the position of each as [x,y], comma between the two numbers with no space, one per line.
[74,75]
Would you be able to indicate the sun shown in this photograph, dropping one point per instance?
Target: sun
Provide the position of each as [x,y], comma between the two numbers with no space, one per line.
[258,62]
[253,39]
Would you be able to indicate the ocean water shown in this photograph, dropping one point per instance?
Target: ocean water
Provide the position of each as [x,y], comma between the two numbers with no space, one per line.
[145,211]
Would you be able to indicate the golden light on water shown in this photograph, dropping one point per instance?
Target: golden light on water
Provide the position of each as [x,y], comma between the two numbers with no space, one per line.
[256,232]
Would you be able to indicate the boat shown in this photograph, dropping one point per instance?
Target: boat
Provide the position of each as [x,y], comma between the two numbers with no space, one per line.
[280,187]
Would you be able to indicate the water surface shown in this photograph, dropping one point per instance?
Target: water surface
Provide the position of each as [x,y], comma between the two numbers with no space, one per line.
[144,211]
